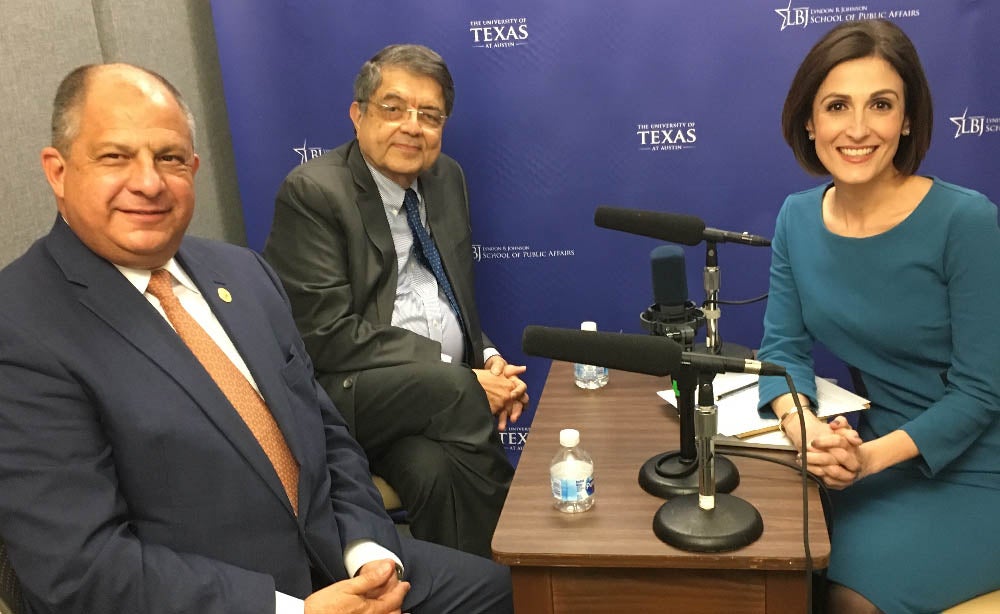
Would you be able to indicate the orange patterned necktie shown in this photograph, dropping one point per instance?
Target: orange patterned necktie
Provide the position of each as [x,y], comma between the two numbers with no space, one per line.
[248,404]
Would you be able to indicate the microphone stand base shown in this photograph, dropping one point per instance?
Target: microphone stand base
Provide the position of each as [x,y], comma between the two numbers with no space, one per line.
[667,475]
[733,524]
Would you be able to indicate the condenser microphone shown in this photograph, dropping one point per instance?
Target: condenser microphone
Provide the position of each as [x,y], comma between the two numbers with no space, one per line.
[673,227]
[671,314]
[670,290]
[637,353]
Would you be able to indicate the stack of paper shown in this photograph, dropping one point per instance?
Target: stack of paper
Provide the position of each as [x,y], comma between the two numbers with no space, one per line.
[736,397]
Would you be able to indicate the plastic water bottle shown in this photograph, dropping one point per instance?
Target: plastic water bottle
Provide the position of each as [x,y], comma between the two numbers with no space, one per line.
[589,376]
[572,475]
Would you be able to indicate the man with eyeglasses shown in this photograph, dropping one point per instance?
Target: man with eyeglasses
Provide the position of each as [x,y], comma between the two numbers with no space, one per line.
[372,242]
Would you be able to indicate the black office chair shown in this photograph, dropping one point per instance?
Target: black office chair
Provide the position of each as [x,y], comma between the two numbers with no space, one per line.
[10,588]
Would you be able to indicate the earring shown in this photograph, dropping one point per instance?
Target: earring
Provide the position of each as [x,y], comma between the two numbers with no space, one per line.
[905,132]
[812,137]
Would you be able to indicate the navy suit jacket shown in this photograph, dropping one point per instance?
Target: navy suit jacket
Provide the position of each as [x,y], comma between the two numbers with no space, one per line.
[128,483]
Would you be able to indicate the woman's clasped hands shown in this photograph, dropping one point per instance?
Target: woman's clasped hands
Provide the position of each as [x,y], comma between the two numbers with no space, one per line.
[834,452]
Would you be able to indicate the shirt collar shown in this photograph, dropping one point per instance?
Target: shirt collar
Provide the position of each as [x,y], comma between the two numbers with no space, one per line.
[140,277]
[390,191]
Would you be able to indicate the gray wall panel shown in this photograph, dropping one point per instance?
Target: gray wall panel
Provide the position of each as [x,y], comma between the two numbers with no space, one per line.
[42,40]
[177,40]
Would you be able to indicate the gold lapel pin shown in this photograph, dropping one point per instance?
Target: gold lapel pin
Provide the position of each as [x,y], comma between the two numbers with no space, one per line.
[225,295]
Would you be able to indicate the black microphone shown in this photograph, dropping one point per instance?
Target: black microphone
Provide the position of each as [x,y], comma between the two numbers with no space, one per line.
[676,228]
[673,227]
[637,353]
[670,290]
[727,236]
[715,363]
[671,314]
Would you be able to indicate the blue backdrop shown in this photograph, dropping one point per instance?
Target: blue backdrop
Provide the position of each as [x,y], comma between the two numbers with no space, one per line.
[562,106]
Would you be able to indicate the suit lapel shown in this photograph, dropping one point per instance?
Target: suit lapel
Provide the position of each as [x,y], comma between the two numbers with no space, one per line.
[443,224]
[372,212]
[246,325]
[110,296]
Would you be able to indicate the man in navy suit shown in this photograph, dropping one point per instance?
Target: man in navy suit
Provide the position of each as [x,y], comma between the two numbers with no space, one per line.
[130,483]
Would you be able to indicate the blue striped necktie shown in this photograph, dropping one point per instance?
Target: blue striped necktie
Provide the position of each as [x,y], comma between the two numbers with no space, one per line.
[427,252]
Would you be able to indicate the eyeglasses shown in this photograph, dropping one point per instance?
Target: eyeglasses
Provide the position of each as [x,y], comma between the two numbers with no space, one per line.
[427,118]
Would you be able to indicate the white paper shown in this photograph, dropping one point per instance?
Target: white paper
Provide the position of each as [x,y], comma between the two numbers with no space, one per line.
[737,413]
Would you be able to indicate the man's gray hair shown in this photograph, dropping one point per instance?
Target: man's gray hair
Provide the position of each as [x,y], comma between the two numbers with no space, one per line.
[416,59]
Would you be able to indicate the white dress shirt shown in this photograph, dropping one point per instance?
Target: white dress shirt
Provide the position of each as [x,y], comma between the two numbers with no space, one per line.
[420,306]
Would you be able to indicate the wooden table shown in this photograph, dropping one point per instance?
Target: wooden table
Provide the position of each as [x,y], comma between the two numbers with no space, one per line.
[608,559]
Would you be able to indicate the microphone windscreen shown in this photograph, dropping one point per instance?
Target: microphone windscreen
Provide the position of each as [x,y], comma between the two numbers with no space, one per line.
[669,276]
[637,353]
[673,227]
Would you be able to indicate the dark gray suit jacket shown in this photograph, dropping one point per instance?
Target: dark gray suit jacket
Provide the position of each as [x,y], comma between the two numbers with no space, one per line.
[331,246]
[127,481]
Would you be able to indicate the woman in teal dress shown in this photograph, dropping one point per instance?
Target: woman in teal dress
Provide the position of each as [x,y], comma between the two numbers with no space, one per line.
[899,276]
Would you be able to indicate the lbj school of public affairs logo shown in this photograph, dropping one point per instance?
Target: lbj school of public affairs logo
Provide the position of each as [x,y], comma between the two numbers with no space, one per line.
[508,253]
[502,33]
[975,125]
[307,153]
[802,16]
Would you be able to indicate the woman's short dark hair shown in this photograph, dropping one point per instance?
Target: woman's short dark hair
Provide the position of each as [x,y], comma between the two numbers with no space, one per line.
[851,41]
[416,59]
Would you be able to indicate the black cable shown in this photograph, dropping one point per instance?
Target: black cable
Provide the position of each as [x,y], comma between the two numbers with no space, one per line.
[743,301]
[824,491]
[806,476]
[805,492]
[683,473]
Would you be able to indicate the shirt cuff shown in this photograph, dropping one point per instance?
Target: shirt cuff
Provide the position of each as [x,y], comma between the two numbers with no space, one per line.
[286,604]
[489,353]
[362,551]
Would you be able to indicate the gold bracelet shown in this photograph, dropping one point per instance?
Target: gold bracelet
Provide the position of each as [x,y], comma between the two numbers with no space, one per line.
[781,420]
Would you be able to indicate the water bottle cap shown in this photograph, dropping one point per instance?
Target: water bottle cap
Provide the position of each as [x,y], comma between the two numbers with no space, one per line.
[569,438]
[588,325]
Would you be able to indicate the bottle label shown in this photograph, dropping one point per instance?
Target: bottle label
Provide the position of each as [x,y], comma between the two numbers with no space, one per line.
[572,490]
[589,376]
